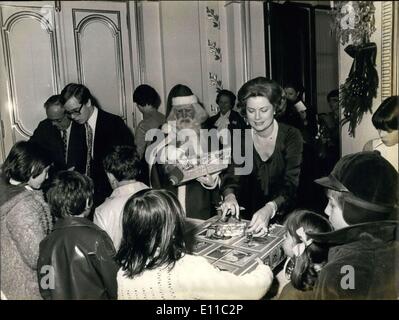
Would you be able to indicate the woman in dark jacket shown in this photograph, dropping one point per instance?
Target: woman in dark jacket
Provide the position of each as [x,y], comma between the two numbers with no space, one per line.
[226,117]
[271,185]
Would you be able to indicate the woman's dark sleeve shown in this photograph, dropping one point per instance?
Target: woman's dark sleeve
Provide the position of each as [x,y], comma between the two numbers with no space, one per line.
[292,153]
[230,181]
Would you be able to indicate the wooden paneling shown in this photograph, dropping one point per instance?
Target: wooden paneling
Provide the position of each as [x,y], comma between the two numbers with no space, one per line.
[31,68]
[97,52]
[48,44]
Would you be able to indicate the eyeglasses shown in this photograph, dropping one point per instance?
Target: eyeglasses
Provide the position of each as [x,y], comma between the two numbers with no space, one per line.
[75,112]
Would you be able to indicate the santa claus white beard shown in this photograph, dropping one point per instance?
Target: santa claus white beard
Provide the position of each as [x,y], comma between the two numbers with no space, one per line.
[188,123]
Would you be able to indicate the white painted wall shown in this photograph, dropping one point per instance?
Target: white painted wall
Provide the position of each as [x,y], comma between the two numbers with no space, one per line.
[175,42]
[257,40]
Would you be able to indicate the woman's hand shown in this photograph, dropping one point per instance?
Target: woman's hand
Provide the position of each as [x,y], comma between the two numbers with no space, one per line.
[230,206]
[260,221]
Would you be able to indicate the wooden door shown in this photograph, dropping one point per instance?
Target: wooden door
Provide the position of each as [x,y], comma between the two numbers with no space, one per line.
[29,68]
[97,52]
[48,44]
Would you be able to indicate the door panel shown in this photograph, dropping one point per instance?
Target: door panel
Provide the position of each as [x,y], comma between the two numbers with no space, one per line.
[97,52]
[29,68]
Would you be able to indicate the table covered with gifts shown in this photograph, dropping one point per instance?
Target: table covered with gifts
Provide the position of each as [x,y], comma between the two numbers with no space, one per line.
[226,245]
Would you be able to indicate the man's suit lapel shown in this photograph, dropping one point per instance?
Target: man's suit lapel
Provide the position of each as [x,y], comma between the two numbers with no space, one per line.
[98,134]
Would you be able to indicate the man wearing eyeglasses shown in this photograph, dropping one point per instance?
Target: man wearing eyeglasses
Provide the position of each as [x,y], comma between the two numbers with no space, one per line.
[102,131]
[54,135]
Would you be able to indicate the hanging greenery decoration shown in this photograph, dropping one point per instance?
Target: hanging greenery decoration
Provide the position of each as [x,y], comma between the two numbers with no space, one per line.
[354,22]
[357,93]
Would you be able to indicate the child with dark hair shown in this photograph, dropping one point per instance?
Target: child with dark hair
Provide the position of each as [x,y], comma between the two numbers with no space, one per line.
[296,112]
[25,219]
[24,164]
[148,101]
[386,116]
[79,254]
[154,260]
[122,167]
[385,120]
[305,256]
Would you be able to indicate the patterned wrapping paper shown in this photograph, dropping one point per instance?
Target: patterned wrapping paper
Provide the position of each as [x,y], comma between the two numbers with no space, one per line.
[193,168]
[237,254]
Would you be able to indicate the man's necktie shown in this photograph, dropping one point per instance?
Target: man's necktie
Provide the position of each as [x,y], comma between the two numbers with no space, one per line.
[65,142]
[89,141]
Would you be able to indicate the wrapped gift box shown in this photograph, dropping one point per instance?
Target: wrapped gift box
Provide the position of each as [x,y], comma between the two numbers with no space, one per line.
[237,254]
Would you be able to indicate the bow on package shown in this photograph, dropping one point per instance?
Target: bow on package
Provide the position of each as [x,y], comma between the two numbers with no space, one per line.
[359,89]
[300,247]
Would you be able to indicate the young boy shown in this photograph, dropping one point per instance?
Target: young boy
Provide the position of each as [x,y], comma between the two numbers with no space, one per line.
[362,263]
[148,101]
[122,167]
[76,259]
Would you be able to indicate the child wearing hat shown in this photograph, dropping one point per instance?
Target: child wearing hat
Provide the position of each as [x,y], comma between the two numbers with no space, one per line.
[362,263]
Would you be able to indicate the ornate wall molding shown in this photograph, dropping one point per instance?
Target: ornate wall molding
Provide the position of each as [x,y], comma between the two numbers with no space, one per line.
[214,59]
[98,16]
[387,31]
[215,50]
[140,39]
[214,81]
[6,30]
[213,17]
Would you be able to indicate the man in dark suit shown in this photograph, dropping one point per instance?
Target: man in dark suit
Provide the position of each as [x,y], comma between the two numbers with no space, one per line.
[55,135]
[226,118]
[102,131]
